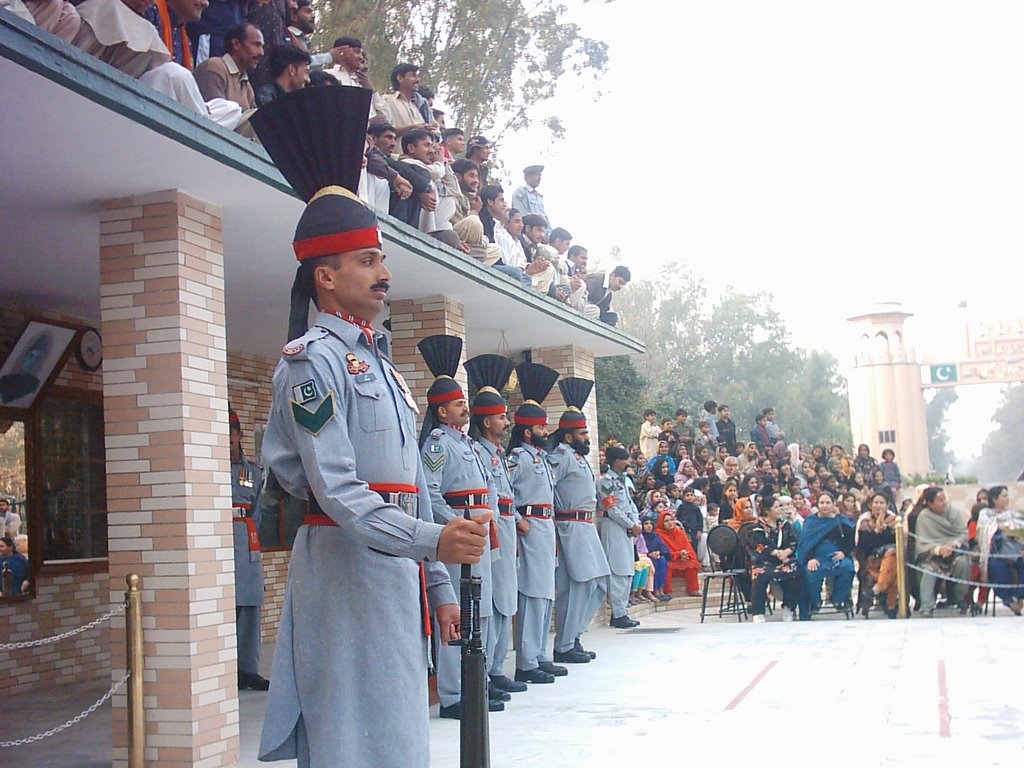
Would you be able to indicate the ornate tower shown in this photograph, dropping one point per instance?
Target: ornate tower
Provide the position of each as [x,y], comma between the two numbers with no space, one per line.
[886,404]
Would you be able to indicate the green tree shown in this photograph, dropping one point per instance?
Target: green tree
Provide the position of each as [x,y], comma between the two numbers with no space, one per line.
[492,59]
[618,386]
[736,350]
[935,416]
[1002,455]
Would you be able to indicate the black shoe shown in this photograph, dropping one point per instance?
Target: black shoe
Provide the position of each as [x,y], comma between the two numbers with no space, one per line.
[624,622]
[572,656]
[578,646]
[494,693]
[552,669]
[533,676]
[510,686]
[252,682]
[454,712]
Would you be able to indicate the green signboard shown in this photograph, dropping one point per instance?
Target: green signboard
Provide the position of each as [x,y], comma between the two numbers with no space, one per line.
[943,374]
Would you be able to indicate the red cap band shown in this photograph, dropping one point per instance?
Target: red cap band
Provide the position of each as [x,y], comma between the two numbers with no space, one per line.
[488,410]
[445,397]
[338,242]
[531,421]
[574,424]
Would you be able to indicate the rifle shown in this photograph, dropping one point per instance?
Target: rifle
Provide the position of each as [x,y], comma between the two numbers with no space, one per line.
[474,738]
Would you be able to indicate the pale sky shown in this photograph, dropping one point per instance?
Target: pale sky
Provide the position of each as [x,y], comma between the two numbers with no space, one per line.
[835,154]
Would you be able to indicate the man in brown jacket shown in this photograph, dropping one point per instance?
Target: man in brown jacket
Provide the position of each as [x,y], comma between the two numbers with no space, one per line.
[227,76]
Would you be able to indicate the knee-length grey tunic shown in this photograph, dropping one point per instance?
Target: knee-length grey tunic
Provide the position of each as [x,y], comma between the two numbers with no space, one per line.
[349,680]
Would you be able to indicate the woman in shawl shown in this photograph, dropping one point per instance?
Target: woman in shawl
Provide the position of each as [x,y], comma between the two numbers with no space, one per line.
[878,485]
[727,501]
[686,474]
[681,557]
[661,470]
[865,463]
[743,513]
[876,545]
[940,539]
[771,551]
[826,546]
[659,559]
[1000,533]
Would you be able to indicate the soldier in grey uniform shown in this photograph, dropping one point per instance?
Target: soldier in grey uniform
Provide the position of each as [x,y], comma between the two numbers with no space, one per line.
[533,493]
[488,375]
[621,522]
[349,683]
[581,575]
[246,483]
[457,481]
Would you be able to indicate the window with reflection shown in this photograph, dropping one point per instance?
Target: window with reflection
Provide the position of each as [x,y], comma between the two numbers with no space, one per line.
[72,479]
[14,550]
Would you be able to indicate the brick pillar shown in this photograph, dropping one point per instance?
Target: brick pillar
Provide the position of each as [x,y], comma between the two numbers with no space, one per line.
[570,360]
[415,319]
[168,484]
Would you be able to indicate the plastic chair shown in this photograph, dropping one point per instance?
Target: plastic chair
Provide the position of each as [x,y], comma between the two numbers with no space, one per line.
[723,543]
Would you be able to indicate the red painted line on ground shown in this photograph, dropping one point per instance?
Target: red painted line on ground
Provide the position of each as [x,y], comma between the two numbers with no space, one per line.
[750,686]
[943,702]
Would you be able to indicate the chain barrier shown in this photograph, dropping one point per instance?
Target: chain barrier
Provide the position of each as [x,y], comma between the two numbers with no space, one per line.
[972,552]
[944,577]
[73,721]
[116,611]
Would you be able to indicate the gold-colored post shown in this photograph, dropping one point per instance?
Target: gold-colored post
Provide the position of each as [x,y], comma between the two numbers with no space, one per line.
[133,636]
[901,569]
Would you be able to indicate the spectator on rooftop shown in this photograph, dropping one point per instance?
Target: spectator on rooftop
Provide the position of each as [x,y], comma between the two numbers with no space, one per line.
[409,110]
[208,35]
[302,24]
[418,159]
[560,240]
[170,17]
[289,71]
[271,16]
[478,149]
[61,18]
[454,140]
[528,198]
[382,175]
[541,257]
[112,31]
[350,69]
[227,76]
[494,216]
[601,287]
[467,174]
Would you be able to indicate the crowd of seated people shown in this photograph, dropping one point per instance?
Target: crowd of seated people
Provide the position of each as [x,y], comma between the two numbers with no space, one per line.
[811,522]
[226,59]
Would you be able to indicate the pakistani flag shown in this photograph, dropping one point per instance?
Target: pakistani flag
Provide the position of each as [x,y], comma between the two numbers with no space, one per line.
[943,374]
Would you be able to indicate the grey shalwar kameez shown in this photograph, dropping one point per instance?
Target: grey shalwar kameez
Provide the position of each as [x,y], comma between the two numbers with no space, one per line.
[349,681]
[533,488]
[620,515]
[582,565]
[246,483]
[452,466]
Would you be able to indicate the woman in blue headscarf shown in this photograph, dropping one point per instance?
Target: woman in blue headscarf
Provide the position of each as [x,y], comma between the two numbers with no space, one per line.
[826,545]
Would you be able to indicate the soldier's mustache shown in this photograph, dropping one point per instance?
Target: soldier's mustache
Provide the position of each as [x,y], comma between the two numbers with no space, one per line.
[383,285]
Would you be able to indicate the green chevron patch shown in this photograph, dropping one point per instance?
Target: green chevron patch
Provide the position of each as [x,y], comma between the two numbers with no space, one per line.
[314,421]
[433,461]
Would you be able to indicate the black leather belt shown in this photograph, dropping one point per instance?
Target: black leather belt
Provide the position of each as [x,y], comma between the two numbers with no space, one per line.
[476,499]
[575,515]
[535,510]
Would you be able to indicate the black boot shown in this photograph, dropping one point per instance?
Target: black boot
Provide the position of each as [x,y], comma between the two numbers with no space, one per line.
[533,676]
[579,647]
[552,669]
[454,712]
[572,656]
[504,684]
[624,622]
[494,693]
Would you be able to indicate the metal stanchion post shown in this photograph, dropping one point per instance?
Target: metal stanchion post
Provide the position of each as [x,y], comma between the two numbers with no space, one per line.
[901,569]
[133,636]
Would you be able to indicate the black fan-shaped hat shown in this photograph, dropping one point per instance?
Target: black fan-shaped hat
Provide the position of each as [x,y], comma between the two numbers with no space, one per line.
[575,392]
[441,353]
[535,382]
[488,374]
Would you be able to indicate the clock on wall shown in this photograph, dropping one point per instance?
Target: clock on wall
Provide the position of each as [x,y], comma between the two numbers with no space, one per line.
[90,349]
